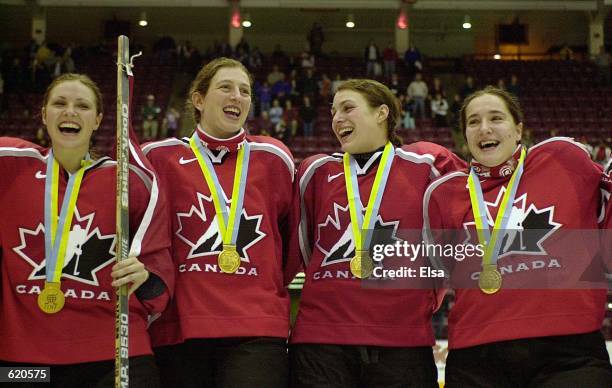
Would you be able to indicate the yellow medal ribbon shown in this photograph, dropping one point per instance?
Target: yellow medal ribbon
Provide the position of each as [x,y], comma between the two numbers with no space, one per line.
[492,241]
[51,299]
[229,224]
[363,226]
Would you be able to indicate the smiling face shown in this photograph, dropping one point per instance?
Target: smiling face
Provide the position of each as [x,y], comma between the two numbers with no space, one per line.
[225,107]
[70,115]
[359,127]
[491,132]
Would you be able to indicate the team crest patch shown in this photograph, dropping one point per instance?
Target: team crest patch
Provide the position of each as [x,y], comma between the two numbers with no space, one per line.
[201,233]
[337,243]
[528,227]
[88,250]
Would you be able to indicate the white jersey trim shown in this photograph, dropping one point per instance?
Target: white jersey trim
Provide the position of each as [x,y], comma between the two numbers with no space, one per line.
[163,143]
[426,233]
[563,139]
[303,226]
[271,148]
[22,152]
[419,158]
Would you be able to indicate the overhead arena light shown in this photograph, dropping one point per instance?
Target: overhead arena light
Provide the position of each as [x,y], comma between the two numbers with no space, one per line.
[350,21]
[143,20]
[246,21]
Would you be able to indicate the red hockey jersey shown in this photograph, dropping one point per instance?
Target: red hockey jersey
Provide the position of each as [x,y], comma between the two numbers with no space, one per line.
[335,308]
[84,330]
[209,303]
[549,247]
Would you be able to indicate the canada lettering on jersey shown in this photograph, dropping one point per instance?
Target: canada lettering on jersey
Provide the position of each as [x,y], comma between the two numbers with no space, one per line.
[88,250]
[201,233]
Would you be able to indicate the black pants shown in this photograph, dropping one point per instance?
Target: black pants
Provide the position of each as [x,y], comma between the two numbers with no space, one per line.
[224,363]
[346,366]
[143,374]
[545,362]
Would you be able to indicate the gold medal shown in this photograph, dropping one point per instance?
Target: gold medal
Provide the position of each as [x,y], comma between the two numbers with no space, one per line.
[51,299]
[362,265]
[490,279]
[229,259]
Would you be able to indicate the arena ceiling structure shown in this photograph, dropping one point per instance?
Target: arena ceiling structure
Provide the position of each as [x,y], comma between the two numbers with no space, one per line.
[569,5]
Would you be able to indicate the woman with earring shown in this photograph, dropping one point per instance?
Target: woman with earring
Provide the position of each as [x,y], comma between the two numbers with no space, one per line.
[354,329]
[528,312]
[230,198]
[57,249]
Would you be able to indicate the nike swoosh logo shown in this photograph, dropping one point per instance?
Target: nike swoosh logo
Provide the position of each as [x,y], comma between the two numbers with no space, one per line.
[40,175]
[185,161]
[332,177]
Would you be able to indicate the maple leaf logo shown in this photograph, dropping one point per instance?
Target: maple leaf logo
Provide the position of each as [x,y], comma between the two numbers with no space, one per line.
[337,244]
[87,252]
[201,233]
[528,227]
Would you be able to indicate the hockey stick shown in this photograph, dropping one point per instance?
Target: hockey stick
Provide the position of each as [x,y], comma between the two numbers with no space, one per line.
[123,243]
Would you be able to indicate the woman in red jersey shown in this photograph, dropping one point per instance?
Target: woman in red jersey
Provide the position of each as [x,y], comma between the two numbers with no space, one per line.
[230,198]
[527,312]
[350,332]
[57,249]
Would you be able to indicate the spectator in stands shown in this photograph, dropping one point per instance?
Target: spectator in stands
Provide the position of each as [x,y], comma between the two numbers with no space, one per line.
[278,55]
[601,152]
[396,86]
[264,125]
[255,58]
[276,112]
[308,115]
[390,59]
[71,113]
[336,83]
[150,116]
[528,328]
[418,92]
[291,117]
[587,145]
[170,125]
[309,84]
[244,342]
[406,105]
[244,45]
[468,88]
[371,56]
[184,52]
[528,139]
[439,110]
[316,37]
[295,94]
[501,84]
[264,95]
[454,111]
[514,86]
[281,131]
[324,85]
[307,58]
[281,89]
[337,341]
[437,87]
[566,53]
[275,75]
[602,60]
[413,60]
[68,65]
